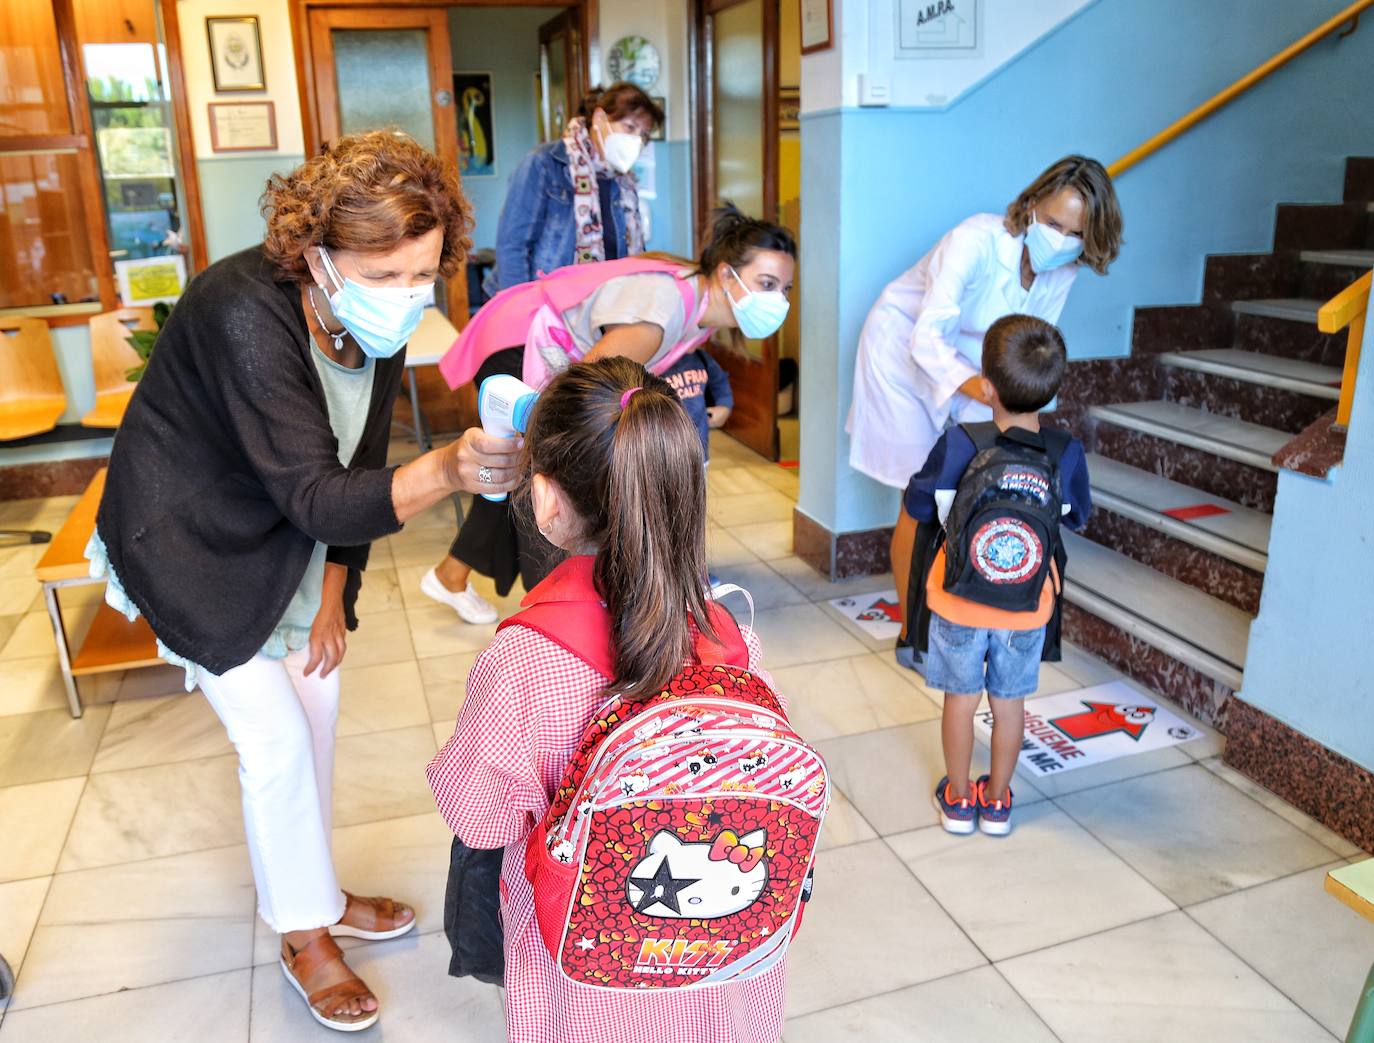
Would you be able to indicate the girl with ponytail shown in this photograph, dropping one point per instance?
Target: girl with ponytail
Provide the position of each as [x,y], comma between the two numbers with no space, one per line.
[616,483]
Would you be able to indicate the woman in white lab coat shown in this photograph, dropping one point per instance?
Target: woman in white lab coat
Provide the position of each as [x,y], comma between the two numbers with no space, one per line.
[921,346]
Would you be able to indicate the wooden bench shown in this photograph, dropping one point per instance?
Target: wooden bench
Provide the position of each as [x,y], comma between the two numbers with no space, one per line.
[1354,885]
[112,643]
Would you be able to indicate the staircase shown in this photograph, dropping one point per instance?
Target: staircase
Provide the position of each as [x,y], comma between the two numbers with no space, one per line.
[1182,435]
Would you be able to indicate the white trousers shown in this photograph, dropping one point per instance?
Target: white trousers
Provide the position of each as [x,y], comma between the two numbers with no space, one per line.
[282,725]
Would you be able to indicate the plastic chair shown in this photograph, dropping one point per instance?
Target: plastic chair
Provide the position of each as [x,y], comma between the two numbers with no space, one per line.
[31,395]
[111,358]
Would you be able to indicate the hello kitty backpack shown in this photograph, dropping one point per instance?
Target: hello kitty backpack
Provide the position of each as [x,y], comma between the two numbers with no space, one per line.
[677,851]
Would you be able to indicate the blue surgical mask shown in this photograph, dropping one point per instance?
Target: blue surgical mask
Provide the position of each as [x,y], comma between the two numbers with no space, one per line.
[759,313]
[1050,248]
[381,318]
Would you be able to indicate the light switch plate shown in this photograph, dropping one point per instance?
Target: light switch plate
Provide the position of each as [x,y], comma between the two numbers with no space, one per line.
[874,91]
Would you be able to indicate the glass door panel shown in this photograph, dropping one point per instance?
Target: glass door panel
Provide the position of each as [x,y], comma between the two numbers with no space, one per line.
[382,79]
[33,92]
[46,256]
[388,68]
[738,101]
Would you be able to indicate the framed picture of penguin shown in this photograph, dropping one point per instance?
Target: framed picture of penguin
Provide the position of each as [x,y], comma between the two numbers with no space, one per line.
[476,142]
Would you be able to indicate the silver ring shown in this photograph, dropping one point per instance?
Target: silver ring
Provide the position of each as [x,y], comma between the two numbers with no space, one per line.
[484,475]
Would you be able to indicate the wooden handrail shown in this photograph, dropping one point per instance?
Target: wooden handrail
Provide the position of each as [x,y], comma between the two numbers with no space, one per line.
[1217,101]
[1347,308]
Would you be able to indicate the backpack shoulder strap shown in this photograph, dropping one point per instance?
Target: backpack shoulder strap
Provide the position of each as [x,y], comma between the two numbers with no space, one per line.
[983,435]
[1056,443]
[584,629]
[732,650]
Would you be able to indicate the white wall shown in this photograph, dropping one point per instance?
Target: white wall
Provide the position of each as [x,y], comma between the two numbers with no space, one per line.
[279,65]
[866,34]
[664,24]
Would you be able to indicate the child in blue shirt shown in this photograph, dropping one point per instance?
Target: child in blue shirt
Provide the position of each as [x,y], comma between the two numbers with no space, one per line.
[971,646]
[703,388]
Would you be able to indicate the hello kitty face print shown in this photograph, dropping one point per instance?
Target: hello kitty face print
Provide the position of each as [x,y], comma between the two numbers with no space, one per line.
[700,761]
[699,881]
[752,763]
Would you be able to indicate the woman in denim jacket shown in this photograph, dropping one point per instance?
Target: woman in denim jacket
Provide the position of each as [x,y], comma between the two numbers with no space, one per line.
[574,200]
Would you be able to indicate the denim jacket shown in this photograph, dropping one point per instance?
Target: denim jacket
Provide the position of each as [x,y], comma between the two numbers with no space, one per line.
[537,232]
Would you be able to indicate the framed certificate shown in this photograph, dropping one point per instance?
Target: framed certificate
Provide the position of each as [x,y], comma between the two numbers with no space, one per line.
[817,25]
[242,126]
[236,53]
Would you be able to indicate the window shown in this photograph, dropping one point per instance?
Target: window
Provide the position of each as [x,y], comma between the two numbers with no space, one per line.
[92,172]
[135,140]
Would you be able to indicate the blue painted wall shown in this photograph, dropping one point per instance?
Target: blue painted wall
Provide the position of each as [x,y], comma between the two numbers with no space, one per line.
[671,212]
[1107,79]
[1308,663]
[504,42]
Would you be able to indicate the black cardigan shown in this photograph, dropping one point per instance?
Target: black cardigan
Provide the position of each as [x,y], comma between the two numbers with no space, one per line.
[225,472]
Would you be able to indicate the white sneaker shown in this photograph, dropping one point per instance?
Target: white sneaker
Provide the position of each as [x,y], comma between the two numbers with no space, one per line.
[470,605]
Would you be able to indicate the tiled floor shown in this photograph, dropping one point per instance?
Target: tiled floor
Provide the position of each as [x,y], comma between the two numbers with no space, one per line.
[1160,897]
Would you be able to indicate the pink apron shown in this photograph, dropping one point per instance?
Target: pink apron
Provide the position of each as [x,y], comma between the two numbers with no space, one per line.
[532,314]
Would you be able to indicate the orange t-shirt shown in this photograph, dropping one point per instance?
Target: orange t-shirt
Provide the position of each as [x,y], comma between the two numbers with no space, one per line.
[968,613]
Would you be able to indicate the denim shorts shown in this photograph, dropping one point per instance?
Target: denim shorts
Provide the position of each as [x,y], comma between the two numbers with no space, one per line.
[970,660]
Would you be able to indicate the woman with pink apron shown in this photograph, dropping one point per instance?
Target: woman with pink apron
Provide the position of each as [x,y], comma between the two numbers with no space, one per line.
[652,309]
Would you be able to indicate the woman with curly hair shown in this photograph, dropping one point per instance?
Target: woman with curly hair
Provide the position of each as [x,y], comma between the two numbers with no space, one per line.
[249,478]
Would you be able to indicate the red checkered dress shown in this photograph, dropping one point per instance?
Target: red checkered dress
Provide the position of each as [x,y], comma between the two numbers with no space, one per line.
[528,703]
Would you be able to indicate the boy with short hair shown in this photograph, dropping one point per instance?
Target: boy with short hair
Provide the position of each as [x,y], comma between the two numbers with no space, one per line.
[987,564]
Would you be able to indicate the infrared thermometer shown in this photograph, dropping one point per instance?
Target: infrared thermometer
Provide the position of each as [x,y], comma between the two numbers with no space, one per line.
[504,403]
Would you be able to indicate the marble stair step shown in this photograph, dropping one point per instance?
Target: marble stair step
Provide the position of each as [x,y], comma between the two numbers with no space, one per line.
[1222,436]
[1181,621]
[1297,309]
[1213,523]
[1342,258]
[1275,371]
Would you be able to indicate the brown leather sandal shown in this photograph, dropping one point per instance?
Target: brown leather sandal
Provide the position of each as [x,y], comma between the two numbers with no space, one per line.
[386,916]
[324,1003]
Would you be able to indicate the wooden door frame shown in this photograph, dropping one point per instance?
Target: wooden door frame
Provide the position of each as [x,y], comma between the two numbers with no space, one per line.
[307,51]
[186,146]
[322,19]
[305,70]
[575,61]
[87,165]
[699,56]
[704,174]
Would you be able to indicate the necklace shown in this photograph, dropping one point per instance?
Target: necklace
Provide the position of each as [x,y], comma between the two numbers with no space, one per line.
[337,337]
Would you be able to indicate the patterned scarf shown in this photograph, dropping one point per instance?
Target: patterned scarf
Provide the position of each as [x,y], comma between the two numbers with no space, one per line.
[584,166]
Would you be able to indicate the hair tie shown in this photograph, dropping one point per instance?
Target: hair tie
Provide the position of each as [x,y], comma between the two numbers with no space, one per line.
[625,398]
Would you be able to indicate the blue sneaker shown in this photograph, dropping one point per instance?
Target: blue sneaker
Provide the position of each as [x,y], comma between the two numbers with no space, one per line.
[956,815]
[994,816]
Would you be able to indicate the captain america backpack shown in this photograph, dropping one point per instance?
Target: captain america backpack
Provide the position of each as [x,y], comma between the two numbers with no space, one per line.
[678,848]
[1002,531]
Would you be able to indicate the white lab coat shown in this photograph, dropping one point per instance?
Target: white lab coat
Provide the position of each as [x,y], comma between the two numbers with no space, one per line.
[924,337]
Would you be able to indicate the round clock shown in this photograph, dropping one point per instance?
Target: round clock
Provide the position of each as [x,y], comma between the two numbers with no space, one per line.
[635,59]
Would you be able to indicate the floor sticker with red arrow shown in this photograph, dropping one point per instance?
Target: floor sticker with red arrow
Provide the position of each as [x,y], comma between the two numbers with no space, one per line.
[1092,726]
